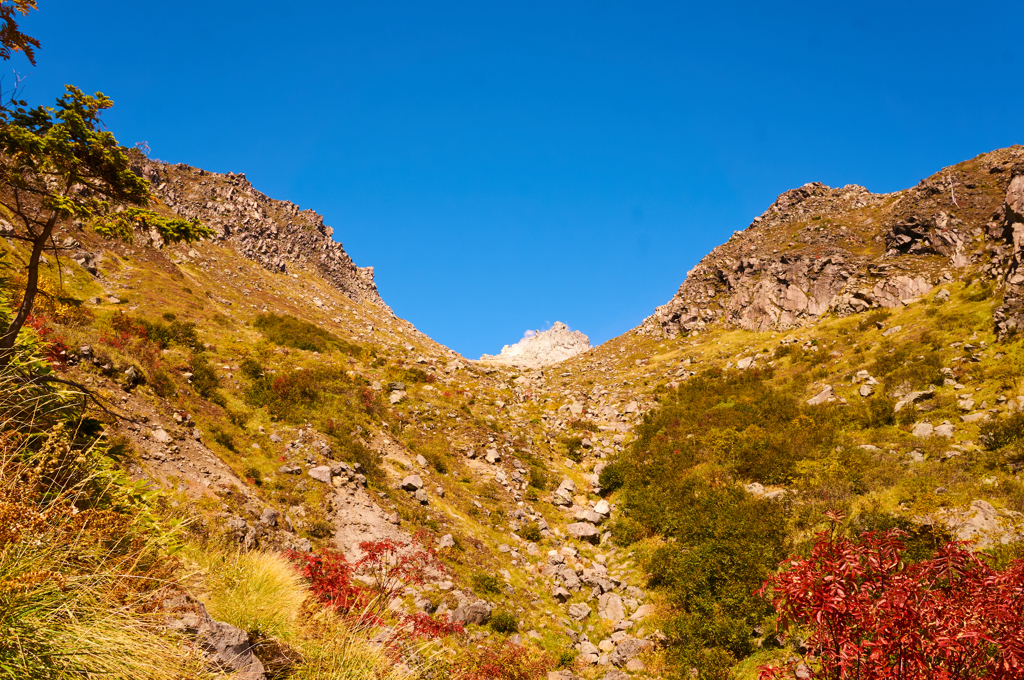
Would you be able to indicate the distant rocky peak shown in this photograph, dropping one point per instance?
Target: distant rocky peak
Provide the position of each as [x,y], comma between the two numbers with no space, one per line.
[542,348]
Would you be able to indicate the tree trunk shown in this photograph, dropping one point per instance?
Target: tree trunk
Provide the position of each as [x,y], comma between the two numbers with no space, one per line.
[31,288]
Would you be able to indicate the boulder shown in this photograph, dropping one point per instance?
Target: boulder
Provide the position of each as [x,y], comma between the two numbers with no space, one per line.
[412,483]
[478,613]
[584,531]
[922,430]
[579,611]
[627,649]
[321,473]
[609,606]
[825,395]
[568,577]
[229,648]
[268,517]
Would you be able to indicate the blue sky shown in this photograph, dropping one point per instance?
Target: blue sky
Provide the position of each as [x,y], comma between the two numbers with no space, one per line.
[507,165]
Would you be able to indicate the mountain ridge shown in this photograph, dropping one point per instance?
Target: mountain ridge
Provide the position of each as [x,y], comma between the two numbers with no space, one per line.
[303,415]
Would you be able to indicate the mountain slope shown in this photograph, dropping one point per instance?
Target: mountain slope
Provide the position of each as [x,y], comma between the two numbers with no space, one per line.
[305,415]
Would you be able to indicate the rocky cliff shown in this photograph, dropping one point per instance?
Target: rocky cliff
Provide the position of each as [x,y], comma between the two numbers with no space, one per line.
[819,250]
[276,234]
[542,348]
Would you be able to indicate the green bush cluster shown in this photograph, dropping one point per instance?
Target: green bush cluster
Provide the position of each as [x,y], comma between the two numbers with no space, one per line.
[288,331]
[172,331]
[486,584]
[503,622]
[573,448]
[1006,432]
[531,532]
[204,379]
[682,478]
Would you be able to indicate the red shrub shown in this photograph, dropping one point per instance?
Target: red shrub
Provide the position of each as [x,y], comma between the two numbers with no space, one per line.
[422,625]
[505,662]
[55,351]
[330,579]
[394,565]
[873,617]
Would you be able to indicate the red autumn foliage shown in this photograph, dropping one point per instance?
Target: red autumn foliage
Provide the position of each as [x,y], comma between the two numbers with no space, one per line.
[424,626]
[392,565]
[55,351]
[503,662]
[330,579]
[874,617]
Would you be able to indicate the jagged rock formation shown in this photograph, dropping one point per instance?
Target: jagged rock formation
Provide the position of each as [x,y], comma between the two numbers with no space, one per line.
[818,250]
[276,234]
[543,348]
[1009,318]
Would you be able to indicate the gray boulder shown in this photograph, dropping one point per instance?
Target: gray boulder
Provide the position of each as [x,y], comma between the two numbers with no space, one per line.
[584,532]
[478,613]
[627,649]
[609,606]
[579,611]
[412,483]
[229,648]
[321,473]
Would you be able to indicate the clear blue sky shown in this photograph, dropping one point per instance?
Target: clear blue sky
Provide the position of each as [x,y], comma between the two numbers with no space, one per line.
[507,165]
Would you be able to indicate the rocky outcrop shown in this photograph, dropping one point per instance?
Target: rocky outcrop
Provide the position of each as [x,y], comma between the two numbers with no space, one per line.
[1009,317]
[542,348]
[276,234]
[820,250]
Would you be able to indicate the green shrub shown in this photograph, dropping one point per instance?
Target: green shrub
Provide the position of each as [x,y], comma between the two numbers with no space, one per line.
[538,477]
[531,532]
[204,378]
[320,528]
[223,438]
[252,472]
[877,411]
[503,622]
[411,376]
[162,383]
[996,434]
[486,584]
[611,478]
[573,448]
[288,331]
[252,369]
[175,332]
[870,320]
